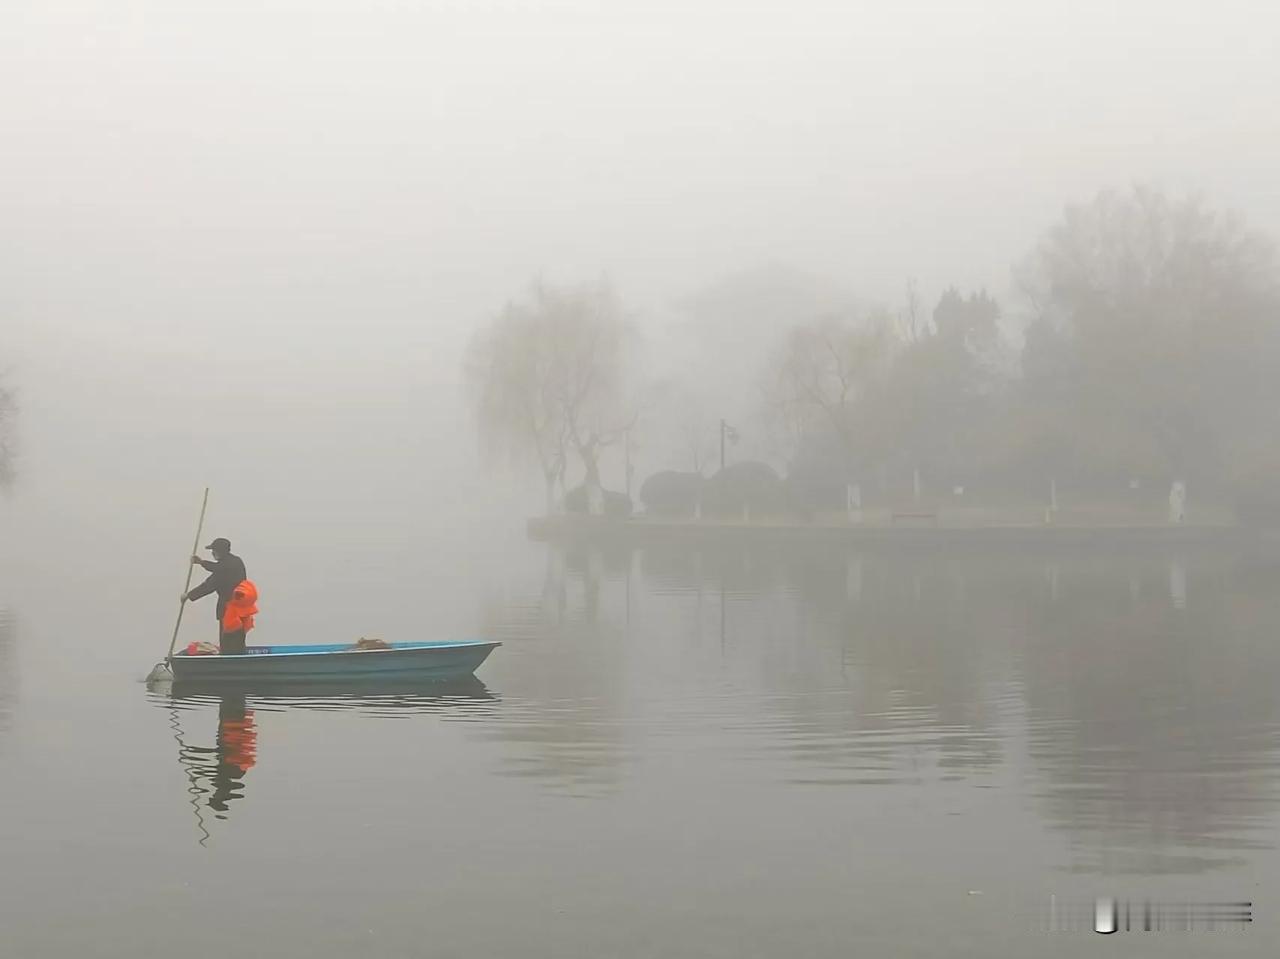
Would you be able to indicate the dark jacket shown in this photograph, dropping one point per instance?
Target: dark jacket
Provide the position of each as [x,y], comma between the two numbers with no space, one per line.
[224,576]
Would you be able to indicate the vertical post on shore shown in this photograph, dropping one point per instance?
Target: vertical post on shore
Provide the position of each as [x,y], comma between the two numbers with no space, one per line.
[726,431]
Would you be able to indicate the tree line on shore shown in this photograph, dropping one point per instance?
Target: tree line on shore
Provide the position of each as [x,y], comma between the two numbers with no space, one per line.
[1142,349]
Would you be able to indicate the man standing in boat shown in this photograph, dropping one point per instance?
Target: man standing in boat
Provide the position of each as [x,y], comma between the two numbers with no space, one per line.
[226,574]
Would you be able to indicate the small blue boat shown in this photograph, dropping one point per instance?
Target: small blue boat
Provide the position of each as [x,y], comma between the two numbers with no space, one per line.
[337,662]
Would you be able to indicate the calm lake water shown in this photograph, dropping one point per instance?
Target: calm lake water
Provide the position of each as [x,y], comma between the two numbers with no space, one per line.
[677,752]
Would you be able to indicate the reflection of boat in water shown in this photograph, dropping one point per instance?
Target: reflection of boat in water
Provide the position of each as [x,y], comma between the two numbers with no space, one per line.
[216,774]
[337,662]
[414,695]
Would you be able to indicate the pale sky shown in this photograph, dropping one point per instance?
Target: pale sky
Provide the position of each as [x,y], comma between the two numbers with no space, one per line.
[273,224]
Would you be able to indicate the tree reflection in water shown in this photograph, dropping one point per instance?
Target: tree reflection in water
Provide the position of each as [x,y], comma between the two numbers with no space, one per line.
[1130,694]
[8,668]
[1151,710]
[566,714]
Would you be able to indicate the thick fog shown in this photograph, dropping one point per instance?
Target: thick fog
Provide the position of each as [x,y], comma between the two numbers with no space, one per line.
[244,245]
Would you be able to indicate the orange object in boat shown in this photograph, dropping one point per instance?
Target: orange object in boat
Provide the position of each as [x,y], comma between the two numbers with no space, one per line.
[241,607]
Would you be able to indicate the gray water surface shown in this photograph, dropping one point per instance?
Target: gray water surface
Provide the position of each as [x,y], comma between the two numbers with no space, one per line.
[676,752]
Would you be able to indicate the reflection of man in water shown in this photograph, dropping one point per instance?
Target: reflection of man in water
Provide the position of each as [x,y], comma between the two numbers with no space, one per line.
[236,751]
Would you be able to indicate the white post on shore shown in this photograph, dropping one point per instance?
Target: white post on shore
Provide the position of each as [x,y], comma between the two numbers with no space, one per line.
[1178,502]
[853,502]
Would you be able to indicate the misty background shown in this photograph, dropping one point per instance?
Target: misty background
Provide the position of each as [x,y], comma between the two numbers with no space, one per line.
[246,246]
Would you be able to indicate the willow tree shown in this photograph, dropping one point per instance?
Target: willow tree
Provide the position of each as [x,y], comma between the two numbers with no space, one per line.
[511,373]
[546,378]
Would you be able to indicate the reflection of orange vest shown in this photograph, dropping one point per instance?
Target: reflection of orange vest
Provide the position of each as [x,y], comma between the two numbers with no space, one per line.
[240,741]
[241,608]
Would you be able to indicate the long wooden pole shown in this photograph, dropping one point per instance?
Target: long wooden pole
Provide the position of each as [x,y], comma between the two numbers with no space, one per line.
[183,604]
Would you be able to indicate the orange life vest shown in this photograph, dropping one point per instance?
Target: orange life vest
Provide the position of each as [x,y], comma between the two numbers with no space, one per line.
[240,741]
[241,608]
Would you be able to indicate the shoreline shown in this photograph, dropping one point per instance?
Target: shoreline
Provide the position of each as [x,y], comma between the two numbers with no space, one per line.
[587,529]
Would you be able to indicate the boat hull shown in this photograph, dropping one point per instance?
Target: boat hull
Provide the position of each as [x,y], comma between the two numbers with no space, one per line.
[387,693]
[336,663]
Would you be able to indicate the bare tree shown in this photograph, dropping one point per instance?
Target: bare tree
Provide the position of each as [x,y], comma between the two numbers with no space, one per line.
[685,422]
[821,374]
[1156,321]
[896,389]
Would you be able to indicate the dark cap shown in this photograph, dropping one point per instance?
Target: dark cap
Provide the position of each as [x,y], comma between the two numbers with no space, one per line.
[220,544]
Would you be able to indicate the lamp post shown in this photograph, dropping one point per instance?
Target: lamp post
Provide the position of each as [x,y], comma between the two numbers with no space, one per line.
[626,447]
[726,431]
